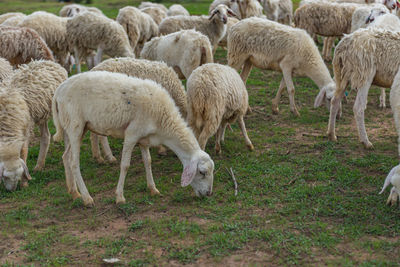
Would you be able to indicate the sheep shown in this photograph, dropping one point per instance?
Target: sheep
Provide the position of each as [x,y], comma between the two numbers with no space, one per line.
[394,179]
[53,29]
[270,45]
[21,45]
[5,16]
[156,13]
[395,105]
[231,21]
[176,10]
[184,51]
[216,97]
[362,16]
[87,31]
[141,112]
[143,69]
[232,4]
[144,5]
[14,20]
[74,9]
[250,8]
[279,10]
[139,26]
[6,69]
[364,58]
[214,26]
[35,83]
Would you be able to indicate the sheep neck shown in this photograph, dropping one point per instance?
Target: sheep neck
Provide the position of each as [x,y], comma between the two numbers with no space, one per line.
[320,75]
[184,145]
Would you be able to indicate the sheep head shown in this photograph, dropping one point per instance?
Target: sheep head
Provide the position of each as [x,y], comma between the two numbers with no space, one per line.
[325,95]
[221,13]
[11,172]
[376,12]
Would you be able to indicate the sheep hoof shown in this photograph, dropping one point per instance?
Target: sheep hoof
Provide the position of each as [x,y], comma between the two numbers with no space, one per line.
[162,151]
[38,168]
[111,159]
[120,200]
[88,202]
[24,184]
[332,137]
[99,160]
[368,145]
[296,113]
[218,149]
[249,110]
[75,195]
[250,147]
[154,192]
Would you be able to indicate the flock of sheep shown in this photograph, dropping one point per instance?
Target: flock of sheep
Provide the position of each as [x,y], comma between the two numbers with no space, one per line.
[143,100]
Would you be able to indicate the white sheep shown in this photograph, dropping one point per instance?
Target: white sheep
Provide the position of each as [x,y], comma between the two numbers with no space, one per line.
[216,97]
[74,9]
[278,10]
[394,179]
[139,26]
[14,21]
[21,45]
[176,9]
[6,69]
[184,51]
[143,69]
[250,8]
[156,13]
[53,29]
[36,83]
[232,4]
[364,58]
[363,16]
[5,16]
[395,105]
[88,31]
[214,26]
[141,112]
[270,45]
[150,4]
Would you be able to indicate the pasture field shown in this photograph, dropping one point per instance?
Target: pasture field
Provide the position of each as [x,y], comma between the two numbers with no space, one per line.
[301,199]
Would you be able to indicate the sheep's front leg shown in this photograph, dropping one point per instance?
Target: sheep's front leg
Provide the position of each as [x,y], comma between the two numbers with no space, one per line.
[149,174]
[244,132]
[77,60]
[99,56]
[287,75]
[44,146]
[129,144]
[335,106]
[382,98]
[246,70]
[392,199]
[275,101]
[359,107]
[218,137]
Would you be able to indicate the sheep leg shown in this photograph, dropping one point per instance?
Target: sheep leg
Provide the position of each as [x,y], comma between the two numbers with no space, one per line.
[149,175]
[99,56]
[244,132]
[44,146]
[106,149]
[392,199]
[223,134]
[71,183]
[335,105]
[162,151]
[327,48]
[94,142]
[287,75]
[275,101]
[382,98]
[359,107]
[77,60]
[218,137]
[246,70]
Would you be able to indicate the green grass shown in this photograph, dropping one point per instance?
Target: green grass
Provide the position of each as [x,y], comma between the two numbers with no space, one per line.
[301,199]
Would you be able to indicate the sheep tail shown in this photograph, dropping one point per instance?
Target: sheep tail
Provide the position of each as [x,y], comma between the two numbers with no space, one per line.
[58,136]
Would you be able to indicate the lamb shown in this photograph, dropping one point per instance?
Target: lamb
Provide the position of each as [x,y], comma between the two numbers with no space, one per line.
[176,10]
[87,31]
[21,45]
[74,9]
[144,5]
[216,97]
[279,10]
[53,29]
[6,69]
[141,112]
[366,57]
[270,45]
[394,179]
[184,51]
[5,16]
[139,26]
[35,83]
[232,4]
[156,13]
[143,69]
[214,26]
[250,8]
[14,20]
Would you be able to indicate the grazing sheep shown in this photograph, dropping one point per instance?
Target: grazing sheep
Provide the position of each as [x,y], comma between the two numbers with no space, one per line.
[74,9]
[21,45]
[5,16]
[216,97]
[394,179]
[214,26]
[184,51]
[176,10]
[270,45]
[141,112]
[364,58]
[229,24]
[6,69]
[87,32]
[53,29]
[156,13]
[250,8]
[35,83]
[144,5]
[143,69]
[232,4]
[278,10]
[14,21]
[139,26]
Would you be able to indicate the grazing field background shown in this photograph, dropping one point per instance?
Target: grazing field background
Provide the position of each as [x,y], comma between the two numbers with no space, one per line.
[301,199]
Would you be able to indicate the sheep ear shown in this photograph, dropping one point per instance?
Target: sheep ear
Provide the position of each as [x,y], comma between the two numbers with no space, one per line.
[189,172]
[26,171]
[389,179]
[320,98]
[230,12]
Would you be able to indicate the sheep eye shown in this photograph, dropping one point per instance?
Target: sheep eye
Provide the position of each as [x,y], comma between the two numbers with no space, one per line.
[202,173]
[217,11]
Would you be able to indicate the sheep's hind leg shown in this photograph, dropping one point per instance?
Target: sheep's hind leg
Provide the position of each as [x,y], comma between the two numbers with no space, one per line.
[359,107]
[77,60]
[106,149]
[382,98]
[149,175]
[71,183]
[392,199]
[99,56]
[246,70]
[275,101]
[287,75]
[244,132]
[218,137]
[44,146]
[94,142]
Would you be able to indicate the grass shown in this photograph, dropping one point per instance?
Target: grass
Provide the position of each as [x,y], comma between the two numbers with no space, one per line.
[301,199]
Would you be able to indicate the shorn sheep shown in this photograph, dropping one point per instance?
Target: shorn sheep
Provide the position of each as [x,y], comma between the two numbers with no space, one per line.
[216,97]
[366,57]
[88,31]
[214,26]
[184,51]
[141,112]
[278,10]
[143,69]
[21,45]
[176,10]
[35,83]
[74,9]
[6,69]
[156,13]
[139,26]
[270,45]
